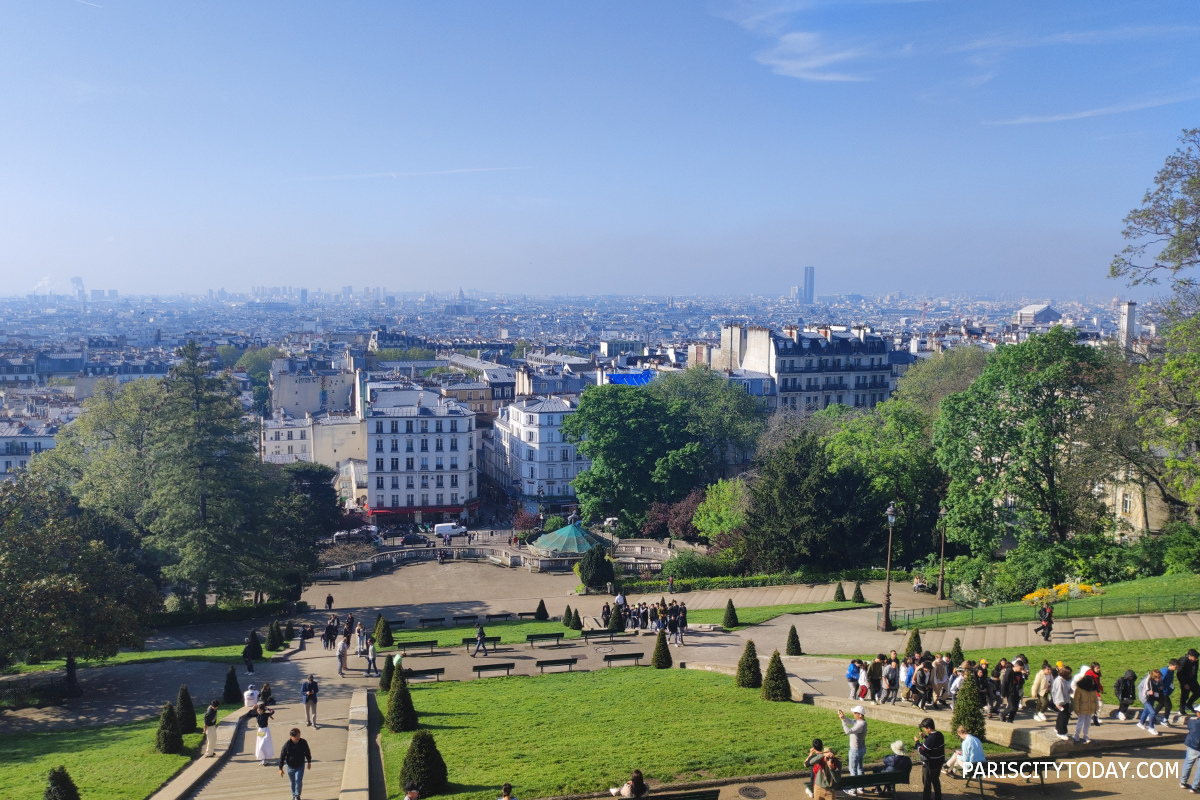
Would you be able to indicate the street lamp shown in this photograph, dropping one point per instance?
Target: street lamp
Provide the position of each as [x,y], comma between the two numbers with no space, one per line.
[885,624]
[942,568]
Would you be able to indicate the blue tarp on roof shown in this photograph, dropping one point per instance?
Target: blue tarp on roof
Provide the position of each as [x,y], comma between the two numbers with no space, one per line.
[631,378]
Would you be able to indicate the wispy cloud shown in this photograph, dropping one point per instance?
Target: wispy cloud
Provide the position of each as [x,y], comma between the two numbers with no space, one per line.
[417,174]
[1103,111]
[86,3]
[1094,37]
[805,55]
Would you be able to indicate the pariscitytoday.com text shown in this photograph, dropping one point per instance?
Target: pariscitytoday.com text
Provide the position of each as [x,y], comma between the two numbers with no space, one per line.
[1076,770]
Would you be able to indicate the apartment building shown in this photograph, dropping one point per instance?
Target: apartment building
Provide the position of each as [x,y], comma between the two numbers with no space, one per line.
[22,440]
[330,439]
[528,457]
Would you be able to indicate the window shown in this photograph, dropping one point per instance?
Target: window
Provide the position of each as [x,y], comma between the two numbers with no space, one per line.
[1126,503]
[437,426]
[454,498]
[395,481]
[470,479]
[529,455]
[379,501]
[379,482]
[424,426]
[408,445]
[424,499]
[440,481]
[437,444]
[529,419]
[454,422]
[529,436]
[395,445]
[453,462]
[439,498]
[549,472]
[303,434]
[289,436]
[424,462]
[453,442]
[395,500]
[408,482]
[277,436]
[408,499]
[531,472]
[395,464]
[550,454]
[379,464]
[395,426]
[408,426]
[437,463]
[379,445]
[453,481]
[424,481]
[379,426]
[566,455]
[408,463]
[424,445]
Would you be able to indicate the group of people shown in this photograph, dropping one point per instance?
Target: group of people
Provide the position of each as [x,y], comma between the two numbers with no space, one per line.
[927,681]
[661,616]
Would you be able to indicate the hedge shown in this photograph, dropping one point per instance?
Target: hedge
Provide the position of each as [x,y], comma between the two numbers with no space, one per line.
[751,581]
[170,619]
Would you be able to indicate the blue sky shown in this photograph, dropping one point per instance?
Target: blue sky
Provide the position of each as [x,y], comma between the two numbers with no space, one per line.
[686,148]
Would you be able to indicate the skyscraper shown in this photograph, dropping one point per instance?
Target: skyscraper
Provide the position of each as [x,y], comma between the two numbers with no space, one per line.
[810,286]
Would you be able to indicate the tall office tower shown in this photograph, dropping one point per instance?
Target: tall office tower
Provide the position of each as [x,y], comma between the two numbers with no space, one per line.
[304,297]
[795,293]
[1127,325]
[810,285]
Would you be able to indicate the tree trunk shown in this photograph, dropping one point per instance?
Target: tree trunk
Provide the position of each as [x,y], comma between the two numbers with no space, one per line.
[202,598]
[72,679]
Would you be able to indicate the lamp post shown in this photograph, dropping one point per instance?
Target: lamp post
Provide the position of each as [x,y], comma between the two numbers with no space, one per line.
[885,623]
[942,568]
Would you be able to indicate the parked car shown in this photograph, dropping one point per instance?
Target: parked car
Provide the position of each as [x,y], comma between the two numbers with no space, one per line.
[414,539]
[361,535]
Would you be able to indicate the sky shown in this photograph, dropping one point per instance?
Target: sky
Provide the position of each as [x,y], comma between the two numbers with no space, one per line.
[685,148]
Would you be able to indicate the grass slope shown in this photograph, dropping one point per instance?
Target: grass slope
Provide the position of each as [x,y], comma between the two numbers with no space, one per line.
[225,654]
[753,615]
[586,731]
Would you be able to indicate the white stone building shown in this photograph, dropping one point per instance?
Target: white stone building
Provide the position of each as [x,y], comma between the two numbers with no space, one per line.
[529,458]
[22,440]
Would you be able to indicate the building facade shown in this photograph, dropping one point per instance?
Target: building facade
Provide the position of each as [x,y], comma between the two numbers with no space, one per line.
[20,442]
[528,457]
[312,391]
[329,439]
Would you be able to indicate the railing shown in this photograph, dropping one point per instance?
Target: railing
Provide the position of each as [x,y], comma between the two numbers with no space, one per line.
[948,616]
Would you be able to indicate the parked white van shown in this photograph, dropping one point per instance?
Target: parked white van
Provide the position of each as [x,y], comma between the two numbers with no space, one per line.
[448,529]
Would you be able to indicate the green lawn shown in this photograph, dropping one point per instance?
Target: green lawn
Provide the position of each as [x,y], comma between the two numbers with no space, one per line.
[753,615]
[225,654]
[117,762]
[1144,596]
[581,732]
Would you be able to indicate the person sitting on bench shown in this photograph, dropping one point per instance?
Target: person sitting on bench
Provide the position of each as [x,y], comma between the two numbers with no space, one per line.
[971,752]
[897,762]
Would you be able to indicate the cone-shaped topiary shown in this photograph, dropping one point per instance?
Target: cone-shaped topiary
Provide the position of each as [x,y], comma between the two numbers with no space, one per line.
[289,632]
[839,594]
[233,692]
[169,739]
[385,675]
[956,653]
[731,618]
[383,633]
[576,621]
[662,654]
[858,595]
[568,616]
[401,713]
[59,786]
[968,710]
[775,685]
[375,628]
[793,643]
[255,646]
[913,648]
[541,613]
[616,622]
[423,765]
[749,674]
[274,636]
[186,710]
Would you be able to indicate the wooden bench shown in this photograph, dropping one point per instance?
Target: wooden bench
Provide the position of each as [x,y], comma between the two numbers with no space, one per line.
[488,641]
[526,615]
[636,658]
[403,647]
[396,623]
[491,666]
[887,780]
[702,794]
[494,617]
[587,636]
[471,618]
[534,638]
[436,672]
[557,662]
[431,621]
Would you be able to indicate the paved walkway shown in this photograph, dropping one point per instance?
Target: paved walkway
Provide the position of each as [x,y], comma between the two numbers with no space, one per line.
[1067,631]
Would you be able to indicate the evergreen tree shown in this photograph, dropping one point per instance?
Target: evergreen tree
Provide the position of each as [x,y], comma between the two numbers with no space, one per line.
[385,675]
[749,673]
[793,643]
[233,692]
[576,621]
[59,786]
[913,648]
[541,613]
[968,710]
[662,654]
[375,628]
[731,618]
[567,617]
[775,686]
[839,594]
[424,765]
[858,595]
[401,713]
[185,710]
[256,650]
[956,653]
[616,621]
[289,632]
[169,739]
[383,633]
[274,636]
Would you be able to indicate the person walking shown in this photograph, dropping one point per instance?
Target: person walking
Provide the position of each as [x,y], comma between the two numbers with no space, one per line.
[1086,701]
[360,636]
[931,746]
[1150,693]
[1189,681]
[1125,690]
[875,682]
[1012,687]
[671,585]
[1060,698]
[343,649]
[264,747]
[210,729]
[371,655]
[328,602]
[295,757]
[1163,708]
[480,640]
[852,677]
[672,626]
[1191,745]
[1041,690]
[857,731]
[248,656]
[309,690]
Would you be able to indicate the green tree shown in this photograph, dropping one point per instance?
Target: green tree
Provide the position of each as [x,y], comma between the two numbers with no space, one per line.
[409,354]
[567,617]
[616,620]
[1166,400]
[930,380]
[387,673]
[776,686]
[274,636]
[595,569]
[401,713]
[968,710]
[1183,548]
[576,621]
[730,620]
[661,659]
[257,360]
[59,786]
[424,765]
[256,650]
[383,633]
[956,653]
[723,510]
[913,646]
[169,739]
[185,710]
[793,643]
[541,613]
[228,355]
[749,673]
[233,691]
[858,595]
[289,632]
[839,594]
[554,523]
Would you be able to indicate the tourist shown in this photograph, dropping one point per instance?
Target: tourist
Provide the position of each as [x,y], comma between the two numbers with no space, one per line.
[506,792]
[605,614]
[1041,690]
[969,752]
[361,636]
[644,616]
[264,748]
[210,729]
[672,627]
[248,657]
[891,682]
[328,602]
[1046,615]
[265,695]
[827,771]
[1189,681]
[922,686]
[371,655]
[874,684]
[1012,689]
[932,749]
[1093,670]
[309,690]
[250,697]
[343,649]
[941,678]
[898,761]
[295,757]
[864,680]
[1191,745]
[1150,692]
[634,787]
[1060,698]
[857,731]
[906,677]
[1125,690]
[682,618]
[1086,700]
[412,791]
[671,584]
[480,642]
[1163,708]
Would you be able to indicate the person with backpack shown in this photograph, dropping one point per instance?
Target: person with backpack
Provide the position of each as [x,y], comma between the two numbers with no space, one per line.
[1150,692]
[852,678]
[922,685]
[827,772]
[1125,690]
[875,678]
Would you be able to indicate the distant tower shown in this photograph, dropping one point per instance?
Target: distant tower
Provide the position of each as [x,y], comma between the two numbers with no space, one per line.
[1127,325]
[810,286]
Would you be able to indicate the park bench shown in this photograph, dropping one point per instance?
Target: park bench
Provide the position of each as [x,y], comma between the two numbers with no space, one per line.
[399,623]
[557,662]
[488,641]
[1037,765]
[636,658]
[471,618]
[436,672]
[534,638]
[702,794]
[491,666]
[431,621]
[493,617]
[589,635]
[885,780]
[404,647]
[526,615]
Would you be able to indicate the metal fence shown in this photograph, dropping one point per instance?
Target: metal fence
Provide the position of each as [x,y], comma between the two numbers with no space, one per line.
[948,616]
[22,692]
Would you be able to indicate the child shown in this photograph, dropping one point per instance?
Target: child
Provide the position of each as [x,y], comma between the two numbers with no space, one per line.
[1125,690]
[1151,692]
[852,678]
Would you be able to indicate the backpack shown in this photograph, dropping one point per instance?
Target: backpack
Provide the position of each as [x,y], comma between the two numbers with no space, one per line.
[1144,688]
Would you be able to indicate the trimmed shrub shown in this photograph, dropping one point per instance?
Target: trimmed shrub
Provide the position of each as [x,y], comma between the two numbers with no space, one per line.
[424,765]
[793,643]
[233,692]
[383,633]
[968,710]
[749,674]
[59,786]
[169,739]
[567,617]
[576,621]
[401,713]
[839,594]
[186,710]
[385,675]
[956,653]
[858,595]
[595,569]
[913,648]
[775,686]
[255,646]
[541,613]
[274,636]
[616,622]
[731,619]
[662,654]
[289,632]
